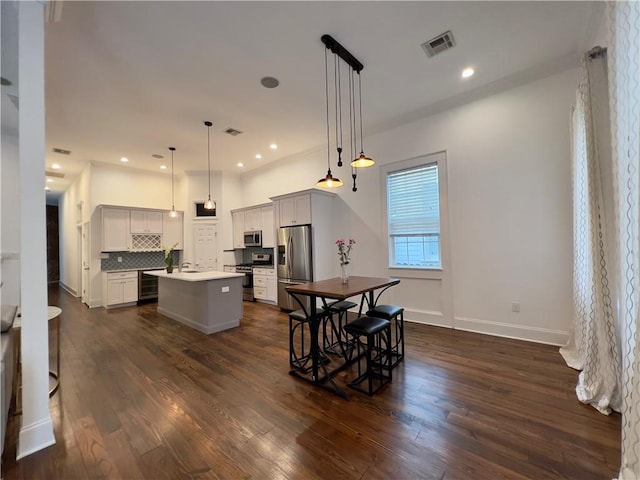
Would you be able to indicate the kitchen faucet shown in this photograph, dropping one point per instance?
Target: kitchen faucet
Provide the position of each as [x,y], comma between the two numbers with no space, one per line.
[184,264]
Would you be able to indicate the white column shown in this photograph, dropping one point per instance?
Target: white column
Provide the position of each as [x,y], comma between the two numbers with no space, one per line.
[36,431]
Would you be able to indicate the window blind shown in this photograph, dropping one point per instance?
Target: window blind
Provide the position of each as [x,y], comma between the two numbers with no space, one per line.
[413,201]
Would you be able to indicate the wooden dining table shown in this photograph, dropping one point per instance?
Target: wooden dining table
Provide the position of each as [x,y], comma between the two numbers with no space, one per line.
[334,289]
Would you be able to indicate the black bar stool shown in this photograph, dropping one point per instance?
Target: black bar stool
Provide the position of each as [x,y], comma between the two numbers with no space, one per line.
[297,321]
[332,340]
[377,352]
[395,314]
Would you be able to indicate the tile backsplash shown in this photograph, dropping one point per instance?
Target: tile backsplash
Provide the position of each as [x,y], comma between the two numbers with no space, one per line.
[136,260]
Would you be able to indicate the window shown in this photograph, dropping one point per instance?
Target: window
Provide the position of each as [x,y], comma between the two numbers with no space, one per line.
[203,212]
[413,215]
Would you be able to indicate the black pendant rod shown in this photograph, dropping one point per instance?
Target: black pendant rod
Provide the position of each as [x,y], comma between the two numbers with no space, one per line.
[342,52]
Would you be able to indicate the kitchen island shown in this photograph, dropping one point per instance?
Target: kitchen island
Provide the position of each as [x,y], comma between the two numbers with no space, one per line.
[206,301]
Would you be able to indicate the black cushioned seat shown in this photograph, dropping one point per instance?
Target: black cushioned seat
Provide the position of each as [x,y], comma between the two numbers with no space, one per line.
[395,314]
[386,311]
[366,325]
[377,352]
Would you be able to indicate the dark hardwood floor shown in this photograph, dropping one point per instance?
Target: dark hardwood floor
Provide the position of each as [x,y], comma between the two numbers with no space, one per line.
[144,397]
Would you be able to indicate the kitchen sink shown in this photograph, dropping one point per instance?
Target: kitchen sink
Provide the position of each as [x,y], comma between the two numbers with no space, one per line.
[189,271]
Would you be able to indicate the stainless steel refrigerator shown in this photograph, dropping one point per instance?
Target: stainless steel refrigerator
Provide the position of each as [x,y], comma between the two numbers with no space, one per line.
[294,263]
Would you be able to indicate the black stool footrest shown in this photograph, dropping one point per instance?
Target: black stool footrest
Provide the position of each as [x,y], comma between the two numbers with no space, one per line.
[301,316]
[342,305]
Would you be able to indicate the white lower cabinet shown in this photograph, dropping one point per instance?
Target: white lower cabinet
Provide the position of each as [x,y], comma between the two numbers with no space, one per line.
[265,284]
[120,288]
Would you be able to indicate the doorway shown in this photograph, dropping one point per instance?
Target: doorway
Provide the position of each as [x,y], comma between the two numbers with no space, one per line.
[85,263]
[205,247]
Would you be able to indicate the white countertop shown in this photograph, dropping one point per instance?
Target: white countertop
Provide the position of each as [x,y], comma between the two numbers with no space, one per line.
[193,276]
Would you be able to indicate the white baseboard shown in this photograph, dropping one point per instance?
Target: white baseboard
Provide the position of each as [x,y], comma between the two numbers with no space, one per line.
[68,289]
[426,318]
[508,330]
[487,327]
[35,437]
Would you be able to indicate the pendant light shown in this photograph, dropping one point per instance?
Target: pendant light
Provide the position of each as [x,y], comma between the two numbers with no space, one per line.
[172,213]
[362,161]
[329,181]
[356,66]
[209,204]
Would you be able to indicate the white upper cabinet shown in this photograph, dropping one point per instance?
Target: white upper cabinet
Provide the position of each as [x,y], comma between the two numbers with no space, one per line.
[256,218]
[116,235]
[295,210]
[237,219]
[268,227]
[172,230]
[143,221]
[252,220]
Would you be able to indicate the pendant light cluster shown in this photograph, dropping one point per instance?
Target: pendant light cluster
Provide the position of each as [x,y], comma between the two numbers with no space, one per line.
[209,204]
[355,115]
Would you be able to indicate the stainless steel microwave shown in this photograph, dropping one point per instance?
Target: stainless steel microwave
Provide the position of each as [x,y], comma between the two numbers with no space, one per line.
[253,239]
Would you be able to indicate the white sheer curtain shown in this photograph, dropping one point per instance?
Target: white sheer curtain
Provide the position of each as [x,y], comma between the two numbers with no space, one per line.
[624,94]
[592,346]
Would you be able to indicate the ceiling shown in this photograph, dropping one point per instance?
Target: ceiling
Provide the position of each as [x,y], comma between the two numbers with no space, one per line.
[133,78]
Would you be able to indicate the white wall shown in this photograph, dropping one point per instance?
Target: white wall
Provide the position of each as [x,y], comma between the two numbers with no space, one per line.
[73,210]
[131,188]
[10,218]
[509,200]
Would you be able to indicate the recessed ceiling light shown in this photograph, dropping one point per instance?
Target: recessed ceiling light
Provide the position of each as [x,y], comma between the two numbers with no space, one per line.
[124,159]
[163,167]
[468,72]
[269,82]
[49,180]
[273,146]
[47,189]
[56,166]
[240,164]
[258,156]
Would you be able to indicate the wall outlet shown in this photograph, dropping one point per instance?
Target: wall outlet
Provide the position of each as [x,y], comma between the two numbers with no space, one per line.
[119,259]
[225,289]
[515,307]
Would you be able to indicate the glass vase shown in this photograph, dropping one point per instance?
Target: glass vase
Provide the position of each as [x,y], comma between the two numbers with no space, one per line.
[345,272]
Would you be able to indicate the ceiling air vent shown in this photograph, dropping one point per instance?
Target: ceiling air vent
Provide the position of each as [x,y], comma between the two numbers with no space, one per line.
[232,131]
[438,44]
[50,173]
[61,151]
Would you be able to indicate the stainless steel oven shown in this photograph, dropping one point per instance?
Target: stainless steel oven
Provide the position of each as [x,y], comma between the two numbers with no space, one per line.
[247,281]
